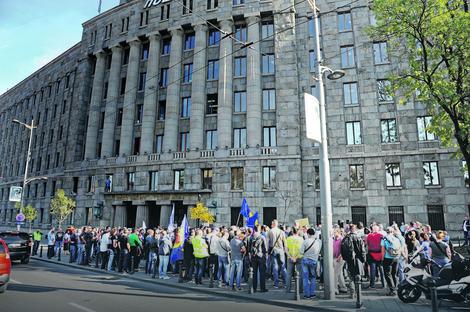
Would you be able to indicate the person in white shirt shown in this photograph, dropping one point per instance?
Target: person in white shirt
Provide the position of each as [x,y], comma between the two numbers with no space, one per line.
[104,242]
[310,250]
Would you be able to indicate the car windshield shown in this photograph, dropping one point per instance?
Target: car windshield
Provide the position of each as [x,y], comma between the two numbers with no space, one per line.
[14,238]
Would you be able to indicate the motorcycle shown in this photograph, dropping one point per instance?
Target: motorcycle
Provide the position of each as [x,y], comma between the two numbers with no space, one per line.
[453,282]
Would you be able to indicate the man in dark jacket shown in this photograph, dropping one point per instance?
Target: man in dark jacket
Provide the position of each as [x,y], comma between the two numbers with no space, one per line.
[354,252]
[258,254]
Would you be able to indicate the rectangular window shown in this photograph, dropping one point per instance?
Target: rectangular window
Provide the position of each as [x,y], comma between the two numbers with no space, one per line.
[139,114]
[214,37]
[312,60]
[269,99]
[105,94]
[144,18]
[161,110]
[213,70]
[389,130]
[184,141]
[465,173]
[211,139]
[145,51]
[188,73]
[136,146]
[240,67]
[212,4]
[236,181]
[431,173]
[380,53]
[396,214]
[240,33]
[119,117]
[117,145]
[187,7]
[267,30]
[359,214]
[164,12]
[392,174]
[356,176]
[164,77]
[317,177]
[159,144]
[185,107]
[268,66]
[350,94]
[344,21]
[211,105]
[166,46]
[153,180]
[206,179]
[353,133]
[269,136]
[436,217]
[44,189]
[178,182]
[423,125]
[238,2]
[189,41]
[383,90]
[102,118]
[142,80]
[125,56]
[347,56]
[130,181]
[57,159]
[240,102]
[239,138]
[269,178]
[75,185]
[122,88]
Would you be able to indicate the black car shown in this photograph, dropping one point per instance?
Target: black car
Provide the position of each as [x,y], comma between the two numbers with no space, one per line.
[19,244]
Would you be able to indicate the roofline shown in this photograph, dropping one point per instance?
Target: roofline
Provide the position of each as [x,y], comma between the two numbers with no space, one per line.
[109,12]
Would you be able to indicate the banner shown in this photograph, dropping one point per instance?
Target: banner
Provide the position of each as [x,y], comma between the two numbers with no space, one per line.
[302,222]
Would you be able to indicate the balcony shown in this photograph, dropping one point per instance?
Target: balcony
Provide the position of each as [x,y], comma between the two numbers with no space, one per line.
[268,150]
[111,161]
[179,155]
[131,159]
[234,152]
[153,157]
[207,154]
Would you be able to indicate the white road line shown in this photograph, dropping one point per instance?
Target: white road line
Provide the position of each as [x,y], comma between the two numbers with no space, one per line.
[76,305]
[15,281]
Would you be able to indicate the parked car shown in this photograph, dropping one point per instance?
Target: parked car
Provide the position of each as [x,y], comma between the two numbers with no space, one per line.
[5,266]
[19,244]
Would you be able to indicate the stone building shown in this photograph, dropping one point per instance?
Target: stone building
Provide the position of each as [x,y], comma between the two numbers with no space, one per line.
[166,103]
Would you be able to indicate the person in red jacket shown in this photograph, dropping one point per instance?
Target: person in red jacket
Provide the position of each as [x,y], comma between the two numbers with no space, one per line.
[374,255]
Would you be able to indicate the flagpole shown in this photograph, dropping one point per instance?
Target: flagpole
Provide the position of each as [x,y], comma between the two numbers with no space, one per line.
[238,220]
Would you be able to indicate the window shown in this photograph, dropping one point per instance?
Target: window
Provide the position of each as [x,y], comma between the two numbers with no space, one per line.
[431,173]
[240,67]
[350,94]
[239,138]
[317,177]
[144,18]
[184,141]
[211,105]
[211,139]
[356,176]
[436,217]
[165,12]
[153,180]
[51,135]
[164,78]
[161,110]
[465,173]
[268,64]
[269,136]
[102,120]
[125,24]
[359,214]
[312,60]
[44,189]
[312,28]
[269,178]
[380,53]
[105,95]
[237,178]
[189,41]
[187,6]
[178,182]
[166,46]
[396,214]
[75,185]
[235,217]
[347,56]
[107,31]
[344,21]
[353,133]
[423,125]
[212,4]
[139,114]
[117,145]
[142,79]
[240,33]
[125,56]
[159,144]
[145,51]
[188,73]
[119,117]
[54,184]
[214,37]
[207,179]
[213,70]
[238,2]
[185,107]
[130,181]
[389,130]
[57,159]
[392,174]
[123,86]
[318,215]
[383,90]
[240,102]
[267,30]
[136,146]
[269,99]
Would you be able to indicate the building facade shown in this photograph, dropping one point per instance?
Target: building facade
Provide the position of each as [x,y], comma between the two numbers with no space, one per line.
[166,103]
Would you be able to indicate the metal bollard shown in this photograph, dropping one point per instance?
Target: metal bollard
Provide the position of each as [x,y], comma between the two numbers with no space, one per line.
[250,280]
[211,275]
[434,299]
[182,272]
[97,259]
[40,251]
[297,283]
[358,292]
[132,264]
[59,255]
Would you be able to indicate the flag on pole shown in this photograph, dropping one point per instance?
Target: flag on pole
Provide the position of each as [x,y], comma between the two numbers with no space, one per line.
[181,235]
[99,7]
[144,226]
[245,210]
[252,220]
[171,224]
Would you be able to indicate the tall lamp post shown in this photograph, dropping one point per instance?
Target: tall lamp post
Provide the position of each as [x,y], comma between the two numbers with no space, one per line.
[325,184]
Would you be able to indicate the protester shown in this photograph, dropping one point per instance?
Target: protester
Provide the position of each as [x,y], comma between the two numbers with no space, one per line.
[440,253]
[391,251]
[201,254]
[37,237]
[310,250]
[237,248]
[294,258]
[164,248]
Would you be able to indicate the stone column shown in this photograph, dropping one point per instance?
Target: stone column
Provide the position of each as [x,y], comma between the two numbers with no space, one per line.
[120,215]
[111,103]
[150,98]
[170,139]
[142,215]
[127,128]
[225,95]
[253,85]
[165,212]
[95,105]
[198,89]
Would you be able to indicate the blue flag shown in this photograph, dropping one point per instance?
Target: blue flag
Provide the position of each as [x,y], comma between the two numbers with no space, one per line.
[252,220]
[245,210]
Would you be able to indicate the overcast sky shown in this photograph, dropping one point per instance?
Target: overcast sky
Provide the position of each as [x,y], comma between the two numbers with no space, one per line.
[33,32]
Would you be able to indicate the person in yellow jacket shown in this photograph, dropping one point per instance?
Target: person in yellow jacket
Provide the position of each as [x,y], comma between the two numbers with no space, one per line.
[294,242]
[201,253]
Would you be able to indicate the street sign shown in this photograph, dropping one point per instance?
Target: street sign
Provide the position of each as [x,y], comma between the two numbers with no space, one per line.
[15,193]
[20,217]
[312,118]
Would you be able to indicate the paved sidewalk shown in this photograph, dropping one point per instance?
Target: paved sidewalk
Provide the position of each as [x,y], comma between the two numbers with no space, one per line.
[372,299]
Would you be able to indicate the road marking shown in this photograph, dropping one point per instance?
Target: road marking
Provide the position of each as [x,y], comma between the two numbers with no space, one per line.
[15,281]
[73,304]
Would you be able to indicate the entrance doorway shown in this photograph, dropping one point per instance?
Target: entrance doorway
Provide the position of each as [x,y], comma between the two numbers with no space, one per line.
[131,213]
[180,211]
[154,214]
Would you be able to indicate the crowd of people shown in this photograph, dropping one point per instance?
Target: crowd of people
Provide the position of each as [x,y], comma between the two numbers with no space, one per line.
[368,254]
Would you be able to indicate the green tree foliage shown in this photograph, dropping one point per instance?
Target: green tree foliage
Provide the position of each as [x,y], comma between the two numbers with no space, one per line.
[61,206]
[430,42]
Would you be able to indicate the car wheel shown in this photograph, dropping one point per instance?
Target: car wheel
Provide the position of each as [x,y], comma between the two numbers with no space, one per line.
[25,260]
[3,288]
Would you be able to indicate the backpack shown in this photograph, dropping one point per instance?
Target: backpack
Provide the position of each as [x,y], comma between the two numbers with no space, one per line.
[347,248]
[394,247]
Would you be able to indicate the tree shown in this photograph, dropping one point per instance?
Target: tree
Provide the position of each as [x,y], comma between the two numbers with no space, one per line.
[430,40]
[61,206]
[201,213]
[30,213]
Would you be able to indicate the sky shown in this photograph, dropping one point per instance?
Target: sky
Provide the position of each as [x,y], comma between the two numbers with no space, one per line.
[34,32]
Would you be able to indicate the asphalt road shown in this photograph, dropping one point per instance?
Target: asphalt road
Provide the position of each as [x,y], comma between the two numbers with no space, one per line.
[43,287]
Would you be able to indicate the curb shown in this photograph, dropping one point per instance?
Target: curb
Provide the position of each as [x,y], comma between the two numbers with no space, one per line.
[199,290]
